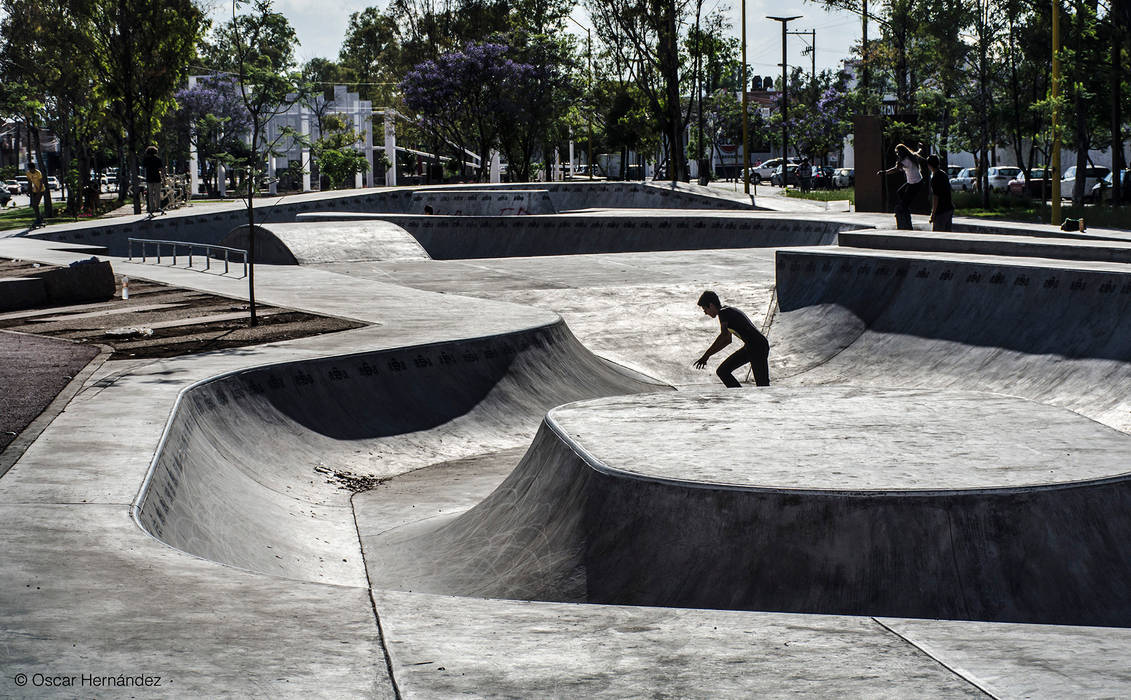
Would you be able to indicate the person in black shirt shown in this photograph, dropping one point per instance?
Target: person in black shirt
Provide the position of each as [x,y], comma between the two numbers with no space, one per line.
[942,206]
[755,348]
[154,177]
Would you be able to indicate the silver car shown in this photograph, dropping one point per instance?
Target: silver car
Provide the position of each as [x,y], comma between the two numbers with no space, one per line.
[1091,177]
[999,177]
[965,181]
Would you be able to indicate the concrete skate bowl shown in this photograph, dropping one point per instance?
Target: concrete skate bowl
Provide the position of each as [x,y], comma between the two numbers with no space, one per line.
[244,473]
[462,237]
[1056,333]
[192,225]
[609,507]
[304,244]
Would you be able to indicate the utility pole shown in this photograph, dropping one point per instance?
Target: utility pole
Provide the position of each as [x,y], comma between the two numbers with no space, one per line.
[1055,204]
[784,94]
[811,49]
[864,49]
[745,97]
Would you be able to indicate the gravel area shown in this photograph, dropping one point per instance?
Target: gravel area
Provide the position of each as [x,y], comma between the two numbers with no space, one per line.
[35,369]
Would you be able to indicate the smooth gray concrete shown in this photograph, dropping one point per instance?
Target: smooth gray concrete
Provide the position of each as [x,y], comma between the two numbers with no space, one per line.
[254,634]
[302,244]
[488,202]
[991,244]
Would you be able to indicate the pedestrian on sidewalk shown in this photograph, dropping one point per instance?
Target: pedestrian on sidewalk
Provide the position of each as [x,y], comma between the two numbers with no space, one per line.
[154,180]
[755,348]
[36,188]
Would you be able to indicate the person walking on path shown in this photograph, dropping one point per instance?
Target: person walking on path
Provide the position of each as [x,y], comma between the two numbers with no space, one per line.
[910,162]
[942,206]
[154,178]
[36,188]
[755,348]
[805,175]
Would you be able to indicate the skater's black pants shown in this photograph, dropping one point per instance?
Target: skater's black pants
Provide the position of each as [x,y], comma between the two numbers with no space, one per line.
[758,357]
[35,199]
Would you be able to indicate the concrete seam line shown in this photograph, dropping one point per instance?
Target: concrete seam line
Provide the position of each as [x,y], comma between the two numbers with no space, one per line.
[956,670]
[15,449]
[373,604]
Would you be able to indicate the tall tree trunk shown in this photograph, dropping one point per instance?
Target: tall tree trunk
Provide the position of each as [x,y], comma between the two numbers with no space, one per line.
[669,69]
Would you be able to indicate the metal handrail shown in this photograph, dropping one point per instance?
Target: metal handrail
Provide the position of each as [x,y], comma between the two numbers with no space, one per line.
[206,247]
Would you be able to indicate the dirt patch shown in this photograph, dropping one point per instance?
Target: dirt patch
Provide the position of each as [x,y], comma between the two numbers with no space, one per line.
[161,321]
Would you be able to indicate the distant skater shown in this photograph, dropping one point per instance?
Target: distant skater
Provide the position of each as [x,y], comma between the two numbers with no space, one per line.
[154,178]
[755,348]
[911,163]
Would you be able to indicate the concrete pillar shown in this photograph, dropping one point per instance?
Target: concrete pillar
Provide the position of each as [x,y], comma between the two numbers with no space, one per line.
[496,171]
[221,179]
[365,112]
[194,156]
[572,163]
[273,188]
[304,128]
[391,147]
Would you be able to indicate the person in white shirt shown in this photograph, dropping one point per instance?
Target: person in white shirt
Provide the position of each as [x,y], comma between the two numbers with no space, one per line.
[910,163]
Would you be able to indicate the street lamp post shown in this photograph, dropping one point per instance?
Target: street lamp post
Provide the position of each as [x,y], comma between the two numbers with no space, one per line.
[784,97]
[1054,208]
[745,138]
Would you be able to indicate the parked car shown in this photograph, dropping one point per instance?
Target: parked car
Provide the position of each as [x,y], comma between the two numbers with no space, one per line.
[5,197]
[1037,186]
[1000,175]
[765,170]
[52,183]
[965,181]
[25,186]
[823,177]
[844,177]
[11,187]
[1101,191]
[1091,177]
[952,171]
[789,178]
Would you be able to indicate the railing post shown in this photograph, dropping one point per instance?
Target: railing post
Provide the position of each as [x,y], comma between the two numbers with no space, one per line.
[158,244]
[190,256]
[225,261]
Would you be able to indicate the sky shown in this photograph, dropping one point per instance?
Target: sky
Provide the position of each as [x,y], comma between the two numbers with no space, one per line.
[321,25]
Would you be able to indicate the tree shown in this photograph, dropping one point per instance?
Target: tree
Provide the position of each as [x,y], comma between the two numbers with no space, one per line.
[215,118]
[336,151]
[257,48]
[371,52]
[144,50]
[461,95]
[642,39]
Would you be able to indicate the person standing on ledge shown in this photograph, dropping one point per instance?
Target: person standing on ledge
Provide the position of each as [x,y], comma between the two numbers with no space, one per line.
[942,205]
[154,179]
[755,348]
[910,162]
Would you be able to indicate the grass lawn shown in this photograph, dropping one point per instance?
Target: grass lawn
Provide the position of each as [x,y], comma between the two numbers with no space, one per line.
[22,217]
[848,193]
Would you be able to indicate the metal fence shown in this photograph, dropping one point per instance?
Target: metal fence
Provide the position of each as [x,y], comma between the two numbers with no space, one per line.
[210,252]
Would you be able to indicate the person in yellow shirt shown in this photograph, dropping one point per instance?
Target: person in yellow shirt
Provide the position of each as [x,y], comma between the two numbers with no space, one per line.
[36,188]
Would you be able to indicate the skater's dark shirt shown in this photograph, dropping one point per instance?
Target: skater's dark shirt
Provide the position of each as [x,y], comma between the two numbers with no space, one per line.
[733,320]
[152,165]
[940,187]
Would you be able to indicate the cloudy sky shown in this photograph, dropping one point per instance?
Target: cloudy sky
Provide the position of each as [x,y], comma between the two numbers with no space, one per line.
[321,24]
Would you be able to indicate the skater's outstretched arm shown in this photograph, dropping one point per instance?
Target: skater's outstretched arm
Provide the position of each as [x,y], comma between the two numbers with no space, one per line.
[721,342]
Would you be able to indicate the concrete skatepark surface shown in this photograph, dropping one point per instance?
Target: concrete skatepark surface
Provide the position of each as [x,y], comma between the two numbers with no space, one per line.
[271,586]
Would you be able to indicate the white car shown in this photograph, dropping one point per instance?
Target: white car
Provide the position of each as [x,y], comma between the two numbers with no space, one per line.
[844,177]
[11,187]
[1091,177]
[765,170]
[965,181]
[1000,176]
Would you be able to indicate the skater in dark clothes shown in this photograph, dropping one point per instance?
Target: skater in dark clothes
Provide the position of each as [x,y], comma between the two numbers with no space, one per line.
[755,348]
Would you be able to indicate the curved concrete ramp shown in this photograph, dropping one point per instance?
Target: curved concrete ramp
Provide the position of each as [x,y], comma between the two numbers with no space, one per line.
[249,469]
[457,237]
[482,202]
[310,243]
[964,506]
[1059,335]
